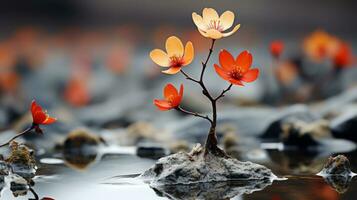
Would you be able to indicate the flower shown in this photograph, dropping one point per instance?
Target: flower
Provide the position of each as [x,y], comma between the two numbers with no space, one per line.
[172,98]
[236,70]
[320,45]
[176,56]
[39,116]
[212,26]
[343,57]
[276,48]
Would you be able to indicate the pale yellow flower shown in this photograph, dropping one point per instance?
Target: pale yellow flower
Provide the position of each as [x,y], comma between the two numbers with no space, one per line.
[175,57]
[213,26]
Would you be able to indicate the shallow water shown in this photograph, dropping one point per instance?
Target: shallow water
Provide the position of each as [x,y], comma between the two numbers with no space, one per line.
[111,178]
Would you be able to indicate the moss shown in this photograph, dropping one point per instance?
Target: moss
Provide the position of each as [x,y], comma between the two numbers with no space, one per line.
[20,154]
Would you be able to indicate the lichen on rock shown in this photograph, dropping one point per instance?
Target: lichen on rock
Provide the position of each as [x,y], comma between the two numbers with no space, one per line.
[199,167]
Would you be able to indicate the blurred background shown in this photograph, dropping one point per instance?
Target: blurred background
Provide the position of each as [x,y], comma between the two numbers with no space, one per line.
[88,63]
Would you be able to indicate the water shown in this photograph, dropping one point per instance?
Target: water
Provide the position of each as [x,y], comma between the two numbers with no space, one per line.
[111,177]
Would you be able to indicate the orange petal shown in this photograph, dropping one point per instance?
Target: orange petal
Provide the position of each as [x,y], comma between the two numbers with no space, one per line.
[226,60]
[162,104]
[177,100]
[169,91]
[160,57]
[244,60]
[174,47]
[251,75]
[33,106]
[189,53]
[49,120]
[223,74]
[172,70]
[39,117]
[236,82]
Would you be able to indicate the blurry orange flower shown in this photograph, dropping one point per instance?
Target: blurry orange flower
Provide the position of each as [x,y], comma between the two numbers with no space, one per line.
[172,98]
[236,70]
[211,25]
[9,81]
[176,57]
[39,116]
[76,93]
[320,45]
[276,48]
[343,57]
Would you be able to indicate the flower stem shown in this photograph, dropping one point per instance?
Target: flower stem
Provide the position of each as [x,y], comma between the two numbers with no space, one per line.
[193,113]
[18,135]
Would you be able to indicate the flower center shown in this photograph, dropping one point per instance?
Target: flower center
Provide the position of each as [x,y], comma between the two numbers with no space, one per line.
[215,24]
[236,74]
[176,61]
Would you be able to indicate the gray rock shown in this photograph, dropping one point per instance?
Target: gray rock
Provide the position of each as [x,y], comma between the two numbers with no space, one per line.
[338,165]
[196,167]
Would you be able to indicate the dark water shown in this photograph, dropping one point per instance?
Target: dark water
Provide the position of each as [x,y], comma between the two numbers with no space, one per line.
[110,177]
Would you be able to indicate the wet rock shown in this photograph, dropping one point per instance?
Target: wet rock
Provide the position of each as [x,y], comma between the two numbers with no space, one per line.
[18,185]
[196,167]
[338,165]
[22,160]
[288,115]
[303,134]
[339,183]
[81,138]
[153,151]
[345,126]
[211,191]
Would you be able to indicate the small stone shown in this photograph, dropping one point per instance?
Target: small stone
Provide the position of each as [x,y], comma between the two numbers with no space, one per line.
[153,151]
[81,138]
[338,165]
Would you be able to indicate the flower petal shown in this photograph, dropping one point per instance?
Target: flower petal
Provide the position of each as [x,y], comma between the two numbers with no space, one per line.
[236,82]
[174,47]
[227,19]
[231,32]
[160,57]
[172,70]
[209,14]
[226,60]
[203,33]
[162,104]
[197,19]
[49,120]
[244,60]
[39,117]
[170,91]
[189,53]
[251,75]
[223,74]
[214,34]
[177,100]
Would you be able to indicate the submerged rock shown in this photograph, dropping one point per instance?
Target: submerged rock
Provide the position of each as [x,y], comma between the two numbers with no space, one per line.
[198,167]
[345,126]
[338,165]
[211,191]
[339,183]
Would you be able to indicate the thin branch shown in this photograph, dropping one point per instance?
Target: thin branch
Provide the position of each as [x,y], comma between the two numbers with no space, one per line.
[204,65]
[18,135]
[188,77]
[193,113]
[223,92]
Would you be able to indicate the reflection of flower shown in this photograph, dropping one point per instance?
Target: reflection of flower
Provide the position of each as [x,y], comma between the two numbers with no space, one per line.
[39,116]
[172,98]
[343,57]
[236,70]
[212,26]
[320,45]
[176,57]
[276,48]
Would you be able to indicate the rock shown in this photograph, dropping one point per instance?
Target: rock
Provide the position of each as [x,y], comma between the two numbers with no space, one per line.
[288,115]
[153,151]
[196,167]
[345,126]
[211,191]
[339,183]
[338,165]
[18,185]
[303,134]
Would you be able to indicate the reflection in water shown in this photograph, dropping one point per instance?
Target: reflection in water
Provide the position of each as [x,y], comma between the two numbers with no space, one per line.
[211,191]
[339,183]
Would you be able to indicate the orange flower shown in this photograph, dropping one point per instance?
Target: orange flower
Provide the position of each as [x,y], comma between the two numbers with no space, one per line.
[343,57]
[276,48]
[236,70]
[211,25]
[172,98]
[176,57]
[39,116]
[320,45]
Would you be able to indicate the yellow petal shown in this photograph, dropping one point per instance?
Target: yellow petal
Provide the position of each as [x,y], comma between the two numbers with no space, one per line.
[189,53]
[226,20]
[197,19]
[174,47]
[160,57]
[203,33]
[231,32]
[214,34]
[209,14]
